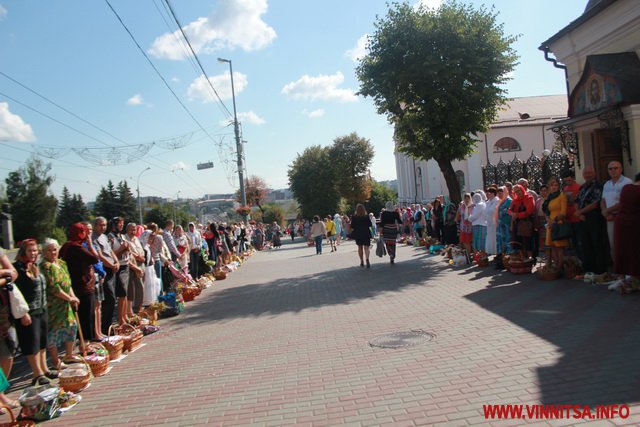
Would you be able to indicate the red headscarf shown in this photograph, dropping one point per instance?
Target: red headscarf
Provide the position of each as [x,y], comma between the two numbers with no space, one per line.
[78,232]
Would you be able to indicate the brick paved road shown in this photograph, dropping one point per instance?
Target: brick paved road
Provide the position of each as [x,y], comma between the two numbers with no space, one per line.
[284,340]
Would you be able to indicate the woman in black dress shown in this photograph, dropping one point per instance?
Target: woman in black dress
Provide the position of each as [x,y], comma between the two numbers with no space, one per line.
[360,232]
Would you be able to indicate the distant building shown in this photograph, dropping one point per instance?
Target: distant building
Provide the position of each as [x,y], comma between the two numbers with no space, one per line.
[523,127]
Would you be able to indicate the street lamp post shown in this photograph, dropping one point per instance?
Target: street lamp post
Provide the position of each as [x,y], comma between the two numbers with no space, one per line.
[243,195]
[175,215]
[138,190]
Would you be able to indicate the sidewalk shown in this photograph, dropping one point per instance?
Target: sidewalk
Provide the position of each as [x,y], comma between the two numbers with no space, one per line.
[284,340]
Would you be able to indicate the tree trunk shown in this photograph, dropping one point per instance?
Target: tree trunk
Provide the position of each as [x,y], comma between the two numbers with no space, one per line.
[451,179]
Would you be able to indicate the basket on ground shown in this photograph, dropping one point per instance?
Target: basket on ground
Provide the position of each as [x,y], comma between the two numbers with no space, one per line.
[97,358]
[131,336]
[77,376]
[114,344]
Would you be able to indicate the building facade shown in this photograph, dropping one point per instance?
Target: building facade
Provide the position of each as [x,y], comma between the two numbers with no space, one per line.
[599,53]
[521,129]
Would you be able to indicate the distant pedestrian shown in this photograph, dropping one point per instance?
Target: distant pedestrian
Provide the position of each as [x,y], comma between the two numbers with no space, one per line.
[318,232]
[389,227]
[360,225]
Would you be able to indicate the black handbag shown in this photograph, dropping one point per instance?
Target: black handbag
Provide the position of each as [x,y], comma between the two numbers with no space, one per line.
[561,231]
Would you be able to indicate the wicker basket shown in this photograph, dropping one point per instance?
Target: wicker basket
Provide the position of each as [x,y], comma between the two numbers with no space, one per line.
[548,273]
[77,376]
[114,344]
[131,336]
[520,266]
[220,274]
[14,422]
[97,359]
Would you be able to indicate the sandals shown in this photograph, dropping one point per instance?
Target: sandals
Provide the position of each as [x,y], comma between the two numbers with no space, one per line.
[41,380]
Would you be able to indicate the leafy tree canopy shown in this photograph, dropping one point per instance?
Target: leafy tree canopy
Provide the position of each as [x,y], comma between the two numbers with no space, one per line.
[256,190]
[32,207]
[437,76]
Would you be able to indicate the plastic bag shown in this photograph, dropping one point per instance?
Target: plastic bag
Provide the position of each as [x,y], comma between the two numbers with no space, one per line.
[19,306]
[151,286]
[40,403]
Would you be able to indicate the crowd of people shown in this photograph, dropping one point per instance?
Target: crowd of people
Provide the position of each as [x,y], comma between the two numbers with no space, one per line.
[592,222]
[96,280]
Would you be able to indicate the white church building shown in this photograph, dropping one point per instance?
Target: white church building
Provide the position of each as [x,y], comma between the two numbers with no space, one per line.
[523,127]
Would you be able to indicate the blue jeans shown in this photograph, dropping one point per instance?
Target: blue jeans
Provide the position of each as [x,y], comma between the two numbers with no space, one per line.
[318,240]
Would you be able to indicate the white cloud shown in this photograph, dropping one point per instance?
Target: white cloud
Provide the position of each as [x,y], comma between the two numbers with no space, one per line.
[135,100]
[248,117]
[3,12]
[175,79]
[251,118]
[179,166]
[314,114]
[320,87]
[12,127]
[429,4]
[234,24]
[199,89]
[359,50]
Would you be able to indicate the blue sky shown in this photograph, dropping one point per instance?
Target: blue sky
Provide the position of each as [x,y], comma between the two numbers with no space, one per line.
[293,67]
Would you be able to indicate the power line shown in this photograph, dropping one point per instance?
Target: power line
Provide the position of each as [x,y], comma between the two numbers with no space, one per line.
[175,18]
[156,70]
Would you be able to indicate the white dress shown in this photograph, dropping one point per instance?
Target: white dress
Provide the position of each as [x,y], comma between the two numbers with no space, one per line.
[491,246]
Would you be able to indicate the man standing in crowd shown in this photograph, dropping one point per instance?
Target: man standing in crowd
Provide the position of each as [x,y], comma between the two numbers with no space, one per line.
[611,197]
[196,248]
[167,236]
[121,250]
[591,229]
[110,264]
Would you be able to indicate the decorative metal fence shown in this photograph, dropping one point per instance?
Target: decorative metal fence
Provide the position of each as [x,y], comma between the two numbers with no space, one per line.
[536,170]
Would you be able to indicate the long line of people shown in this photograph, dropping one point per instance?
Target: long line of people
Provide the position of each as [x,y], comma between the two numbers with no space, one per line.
[97,274]
[593,222]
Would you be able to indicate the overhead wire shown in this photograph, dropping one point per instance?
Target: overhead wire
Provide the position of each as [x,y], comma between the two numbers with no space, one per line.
[186,39]
[156,70]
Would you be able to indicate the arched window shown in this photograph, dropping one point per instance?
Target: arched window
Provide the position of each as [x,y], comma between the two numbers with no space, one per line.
[506,144]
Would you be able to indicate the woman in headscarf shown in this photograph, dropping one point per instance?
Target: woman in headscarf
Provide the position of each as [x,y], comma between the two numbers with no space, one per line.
[80,259]
[503,221]
[491,246]
[360,225]
[389,222]
[466,228]
[521,211]
[555,209]
[32,333]
[338,222]
[478,222]
[61,302]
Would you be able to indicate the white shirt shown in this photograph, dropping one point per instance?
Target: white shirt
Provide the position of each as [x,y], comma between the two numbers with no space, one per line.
[611,191]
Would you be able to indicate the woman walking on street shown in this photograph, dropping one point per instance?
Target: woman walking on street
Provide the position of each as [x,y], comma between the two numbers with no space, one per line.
[389,221]
[360,232]
[318,232]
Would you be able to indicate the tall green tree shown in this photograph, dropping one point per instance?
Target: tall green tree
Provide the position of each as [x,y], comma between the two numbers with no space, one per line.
[351,156]
[437,76]
[311,178]
[380,195]
[32,207]
[126,202]
[107,202]
[71,209]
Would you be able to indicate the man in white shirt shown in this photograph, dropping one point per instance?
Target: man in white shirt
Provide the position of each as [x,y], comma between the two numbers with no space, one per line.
[610,203]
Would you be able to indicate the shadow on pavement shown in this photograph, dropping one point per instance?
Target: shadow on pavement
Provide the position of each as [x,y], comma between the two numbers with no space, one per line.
[294,294]
[595,332]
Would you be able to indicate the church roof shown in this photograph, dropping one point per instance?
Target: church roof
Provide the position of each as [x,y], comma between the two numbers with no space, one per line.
[593,8]
[532,110]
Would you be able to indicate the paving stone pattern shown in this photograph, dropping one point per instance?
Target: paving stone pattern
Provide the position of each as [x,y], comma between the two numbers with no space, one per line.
[284,341]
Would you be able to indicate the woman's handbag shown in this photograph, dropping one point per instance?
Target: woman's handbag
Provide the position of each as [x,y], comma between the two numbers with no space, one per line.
[561,231]
[525,228]
[380,249]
